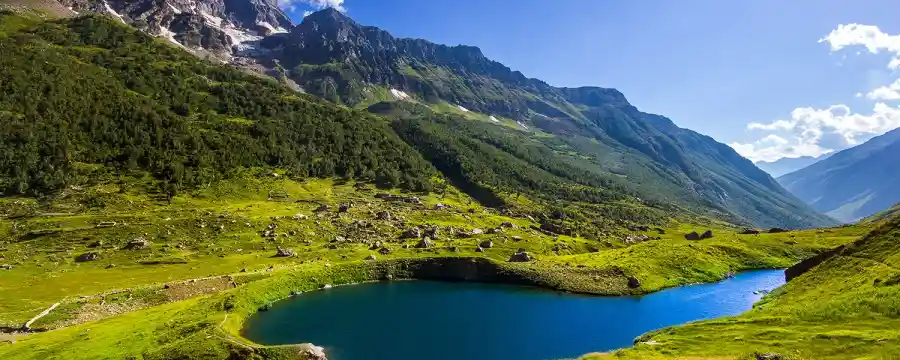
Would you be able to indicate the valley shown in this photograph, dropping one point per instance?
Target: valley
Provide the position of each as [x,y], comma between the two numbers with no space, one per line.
[155,197]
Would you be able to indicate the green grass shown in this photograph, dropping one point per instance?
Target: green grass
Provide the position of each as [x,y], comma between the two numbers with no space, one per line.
[845,308]
[43,240]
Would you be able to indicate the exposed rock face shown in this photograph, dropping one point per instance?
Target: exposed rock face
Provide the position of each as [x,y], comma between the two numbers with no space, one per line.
[633,282]
[221,27]
[806,265]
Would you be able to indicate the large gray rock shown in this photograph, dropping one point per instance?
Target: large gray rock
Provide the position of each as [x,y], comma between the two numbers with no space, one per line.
[137,244]
[520,256]
[89,256]
[284,252]
[425,243]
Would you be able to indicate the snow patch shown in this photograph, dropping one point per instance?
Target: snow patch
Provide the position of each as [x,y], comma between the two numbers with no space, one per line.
[522,125]
[113,12]
[73,10]
[280,30]
[462,108]
[174,9]
[399,95]
[494,119]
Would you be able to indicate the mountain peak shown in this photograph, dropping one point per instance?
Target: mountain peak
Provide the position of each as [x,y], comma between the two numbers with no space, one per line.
[329,14]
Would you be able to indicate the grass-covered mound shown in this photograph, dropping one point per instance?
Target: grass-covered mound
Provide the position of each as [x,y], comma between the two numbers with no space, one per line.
[848,307]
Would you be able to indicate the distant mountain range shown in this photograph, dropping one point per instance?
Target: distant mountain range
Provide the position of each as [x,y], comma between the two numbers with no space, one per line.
[854,183]
[493,131]
[788,165]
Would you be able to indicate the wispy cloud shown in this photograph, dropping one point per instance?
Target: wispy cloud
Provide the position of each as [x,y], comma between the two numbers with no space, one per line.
[315,4]
[813,132]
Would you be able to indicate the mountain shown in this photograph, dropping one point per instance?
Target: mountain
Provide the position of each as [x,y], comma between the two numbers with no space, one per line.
[557,144]
[787,165]
[333,56]
[89,93]
[854,183]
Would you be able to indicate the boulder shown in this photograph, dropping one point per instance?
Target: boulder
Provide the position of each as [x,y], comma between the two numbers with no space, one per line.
[376,245]
[477,231]
[89,256]
[413,233]
[284,252]
[322,208]
[96,244]
[777,230]
[633,282]
[708,234]
[769,356]
[265,307]
[487,244]
[692,236]
[313,353]
[383,215]
[339,239]
[433,232]
[479,249]
[344,208]
[137,244]
[520,256]
[384,251]
[454,249]
[6,266]
[516,238]
[370,257]
[440,206]
[750,232]
[507,224]
[425,243]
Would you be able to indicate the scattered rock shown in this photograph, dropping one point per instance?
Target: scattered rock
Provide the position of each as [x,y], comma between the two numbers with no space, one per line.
[284,252]
[384,251]
[383,215]
[6,266]
[516,238]
[520,256]
[106,224]
[425,243]
[322,208]
[634,239]
[370,257]
[769,356]
[633,227]
[313,353]
[479,249]
[344,208]
[750,232]
[708,234]
[692,236]
[777,230]
[487,244]
[89,256]
[413,233]
[440,206]
[432,232]
[339,239]
[633,282]
[507,224]
[96,244]
[265,307]
[389,277]
[110,266]
[327,286]
[454,249]
[399,198]
[299,217]
[296,292]
[137,244]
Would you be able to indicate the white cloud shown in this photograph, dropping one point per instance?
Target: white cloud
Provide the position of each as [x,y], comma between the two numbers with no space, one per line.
[316,4]
[307,13]
[890,92]
[813,132]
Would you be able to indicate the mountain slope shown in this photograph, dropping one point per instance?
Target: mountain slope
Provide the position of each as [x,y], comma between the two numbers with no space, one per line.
[853,183]
[334,57]
[91,92]
[787,165]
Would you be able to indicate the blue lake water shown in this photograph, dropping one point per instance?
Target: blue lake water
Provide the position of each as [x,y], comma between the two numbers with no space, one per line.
[439,320]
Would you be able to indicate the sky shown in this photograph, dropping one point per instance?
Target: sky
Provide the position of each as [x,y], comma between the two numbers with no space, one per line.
[770,78]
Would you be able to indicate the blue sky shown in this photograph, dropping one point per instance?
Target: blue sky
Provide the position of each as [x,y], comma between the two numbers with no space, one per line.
[753,74]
